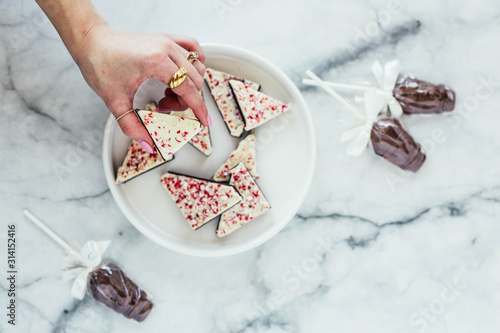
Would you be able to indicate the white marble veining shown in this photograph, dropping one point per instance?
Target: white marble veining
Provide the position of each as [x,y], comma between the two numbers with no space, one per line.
[362,255]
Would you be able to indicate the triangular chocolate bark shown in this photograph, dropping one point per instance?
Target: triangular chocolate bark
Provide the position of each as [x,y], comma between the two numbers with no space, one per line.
[199,200]
[257,108]
[244,153]
[251,206]
[137,161]
[169,133]
[201,141]
[218,82]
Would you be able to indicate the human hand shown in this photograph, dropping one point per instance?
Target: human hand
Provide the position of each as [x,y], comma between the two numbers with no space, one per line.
[115,63]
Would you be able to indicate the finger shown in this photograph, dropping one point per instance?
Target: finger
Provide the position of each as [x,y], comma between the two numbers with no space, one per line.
[130,125]
[189,93]
[181,61]
[172,103]
[133,128]
[200,67]
[187,90]
[189,44]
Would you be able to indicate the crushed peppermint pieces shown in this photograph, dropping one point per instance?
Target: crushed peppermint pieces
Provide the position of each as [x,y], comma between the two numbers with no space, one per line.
[202,140]
[256,107]
[199,200]
[251,206]
[169,133]
[218,82]
[245,153]
[137,161]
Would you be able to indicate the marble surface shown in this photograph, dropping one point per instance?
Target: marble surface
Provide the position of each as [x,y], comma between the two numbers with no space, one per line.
[371,249]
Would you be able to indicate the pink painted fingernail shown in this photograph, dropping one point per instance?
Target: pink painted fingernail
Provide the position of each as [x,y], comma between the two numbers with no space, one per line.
[146,146]
[209,121]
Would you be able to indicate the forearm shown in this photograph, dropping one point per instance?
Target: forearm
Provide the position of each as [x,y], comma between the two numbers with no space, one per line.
[73,20]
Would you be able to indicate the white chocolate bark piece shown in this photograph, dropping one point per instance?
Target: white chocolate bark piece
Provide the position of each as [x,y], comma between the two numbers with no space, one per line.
[218,82]
[199,200]
[244,153]
[252,204]
[169,133]
[138,161]
[257,108]
[201,141]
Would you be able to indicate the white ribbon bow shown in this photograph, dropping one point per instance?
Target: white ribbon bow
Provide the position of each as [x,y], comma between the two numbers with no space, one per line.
[360,135]
[79,263]
[387,78]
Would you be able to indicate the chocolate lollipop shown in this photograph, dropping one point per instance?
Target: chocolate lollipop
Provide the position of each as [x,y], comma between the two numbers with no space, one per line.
[403,93]
[417,96]
[109,285]
[102,279]
[391,141]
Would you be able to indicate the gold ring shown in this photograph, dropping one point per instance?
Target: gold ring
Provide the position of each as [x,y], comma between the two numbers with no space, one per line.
[178,77]
[123,115]
[192,56]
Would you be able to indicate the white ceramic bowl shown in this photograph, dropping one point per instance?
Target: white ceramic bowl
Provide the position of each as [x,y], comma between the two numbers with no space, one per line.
[286,150]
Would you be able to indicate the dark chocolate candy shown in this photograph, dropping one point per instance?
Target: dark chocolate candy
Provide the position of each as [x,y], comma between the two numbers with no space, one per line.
[392,142]
[109,285]
[417,96]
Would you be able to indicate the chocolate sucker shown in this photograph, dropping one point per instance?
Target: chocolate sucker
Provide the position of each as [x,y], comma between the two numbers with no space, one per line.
[417,96]
[110,286]
[392,142]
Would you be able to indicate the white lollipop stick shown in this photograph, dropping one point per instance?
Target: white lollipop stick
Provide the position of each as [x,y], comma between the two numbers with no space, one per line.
[335,95]
[48,231]
[339,86]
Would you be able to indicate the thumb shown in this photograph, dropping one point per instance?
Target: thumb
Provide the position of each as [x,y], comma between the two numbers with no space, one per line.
[133,128]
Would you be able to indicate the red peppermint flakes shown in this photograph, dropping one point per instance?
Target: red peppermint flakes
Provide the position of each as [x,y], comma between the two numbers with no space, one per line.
[199,200]
[167,128]
[251,206]
[218,82]
[137,161]
[256,107]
